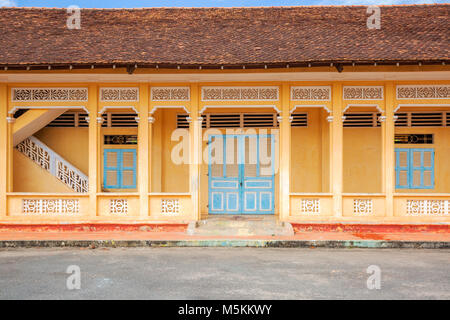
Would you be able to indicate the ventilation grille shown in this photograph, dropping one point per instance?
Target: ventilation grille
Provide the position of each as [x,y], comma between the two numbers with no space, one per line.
[182,121]
[70,119]
[299,120]
[361,119]
[261,120]
[422,119]
[223,120]
[232,120]
[119,120]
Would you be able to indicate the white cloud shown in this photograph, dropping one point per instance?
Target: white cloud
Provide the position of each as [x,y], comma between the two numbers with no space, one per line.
[7,3]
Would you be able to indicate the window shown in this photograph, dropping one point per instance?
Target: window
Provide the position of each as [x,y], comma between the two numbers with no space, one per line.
[119,169]
[414,168]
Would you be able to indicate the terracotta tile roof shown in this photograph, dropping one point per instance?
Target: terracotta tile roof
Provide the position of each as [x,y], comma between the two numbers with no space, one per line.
[225,36]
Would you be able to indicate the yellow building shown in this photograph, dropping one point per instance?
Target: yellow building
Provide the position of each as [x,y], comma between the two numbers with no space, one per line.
[168,116]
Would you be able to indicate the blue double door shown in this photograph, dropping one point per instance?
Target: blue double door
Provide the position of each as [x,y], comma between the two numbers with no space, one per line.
[241,174]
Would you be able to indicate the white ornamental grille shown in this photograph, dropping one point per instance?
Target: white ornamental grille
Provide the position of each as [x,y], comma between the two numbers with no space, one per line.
[119,94]
[50,161]
[118,206]
[427,207]
[239,93]
[35,152]
[318,93]
[50,206]
[170,206]
[362,206]
[70,177]
[311,206]
[49,94]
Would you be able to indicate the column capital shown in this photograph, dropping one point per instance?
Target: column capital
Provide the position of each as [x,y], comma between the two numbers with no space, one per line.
[330,118]
[280,118]
[382,118]
[10,119]
[151,119]
[100,119]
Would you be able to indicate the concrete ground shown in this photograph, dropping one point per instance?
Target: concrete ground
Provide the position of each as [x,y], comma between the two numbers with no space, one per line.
[224,273]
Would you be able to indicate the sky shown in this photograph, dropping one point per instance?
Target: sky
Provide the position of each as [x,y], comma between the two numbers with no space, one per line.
[197,3]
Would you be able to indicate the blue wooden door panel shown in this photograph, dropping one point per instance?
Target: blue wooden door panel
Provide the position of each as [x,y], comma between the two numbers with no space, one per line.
[245,193]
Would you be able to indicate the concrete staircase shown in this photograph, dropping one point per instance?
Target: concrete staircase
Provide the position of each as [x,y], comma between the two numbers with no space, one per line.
[53,163]
[240,225]
[32,121]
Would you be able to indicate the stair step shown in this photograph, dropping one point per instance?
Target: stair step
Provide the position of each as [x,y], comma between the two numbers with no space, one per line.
[241,226]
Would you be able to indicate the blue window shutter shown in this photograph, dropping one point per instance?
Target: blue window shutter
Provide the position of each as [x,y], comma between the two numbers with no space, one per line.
[414,168]
[111,165]
[422,168]
[402,177]
[128,169]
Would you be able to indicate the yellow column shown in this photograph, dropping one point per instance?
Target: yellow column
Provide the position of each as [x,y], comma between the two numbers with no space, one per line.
[94,148]
[143,148]
[3,148]
[337,150]
[10,154]
[389,149]
[285,152]
[195,145]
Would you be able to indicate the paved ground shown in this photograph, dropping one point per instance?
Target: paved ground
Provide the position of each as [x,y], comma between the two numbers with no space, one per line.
[224,273]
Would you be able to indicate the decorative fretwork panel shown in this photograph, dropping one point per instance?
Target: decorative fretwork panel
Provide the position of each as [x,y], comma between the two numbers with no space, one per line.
[427,207]
[239,93]
[49,94]
[118,206]
[362,206]
[318,93]
[170,93]
[50,206]
[363,92]
[423,91]
[35,152]
[50,161]
[170,206]
[71,178]
[311,206]
[119,94]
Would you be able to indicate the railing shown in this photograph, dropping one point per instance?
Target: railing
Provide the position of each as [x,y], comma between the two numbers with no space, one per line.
[56,165]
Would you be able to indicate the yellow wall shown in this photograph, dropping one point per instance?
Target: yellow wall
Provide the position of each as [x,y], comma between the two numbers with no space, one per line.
[362,160]
[167,176]
[308,155]
[29,177]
